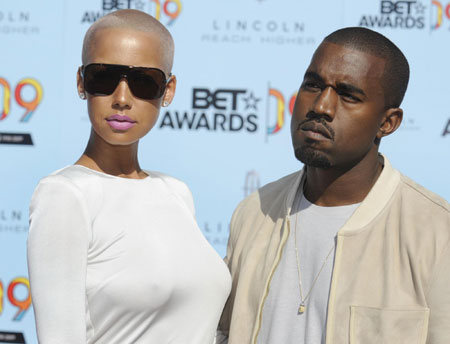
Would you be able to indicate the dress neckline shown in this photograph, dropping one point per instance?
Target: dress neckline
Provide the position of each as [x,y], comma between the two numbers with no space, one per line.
[103,174]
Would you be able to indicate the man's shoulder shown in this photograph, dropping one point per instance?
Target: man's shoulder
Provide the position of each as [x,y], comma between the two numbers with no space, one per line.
[271,192]
[419,196]
[271,196]
[262,209]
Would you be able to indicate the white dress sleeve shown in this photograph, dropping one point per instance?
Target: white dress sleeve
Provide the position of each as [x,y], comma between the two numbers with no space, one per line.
[57,250]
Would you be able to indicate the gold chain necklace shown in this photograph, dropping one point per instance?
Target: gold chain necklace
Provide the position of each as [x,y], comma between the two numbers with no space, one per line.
[302,307]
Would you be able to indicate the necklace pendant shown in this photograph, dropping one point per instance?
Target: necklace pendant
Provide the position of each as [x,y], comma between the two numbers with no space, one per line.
[301,308]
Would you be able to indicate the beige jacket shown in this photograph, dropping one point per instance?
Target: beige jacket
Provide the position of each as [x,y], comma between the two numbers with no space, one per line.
[391,276]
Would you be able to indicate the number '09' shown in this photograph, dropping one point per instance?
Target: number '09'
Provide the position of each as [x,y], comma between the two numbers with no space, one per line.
[29,106]
[22,305]
[171,13]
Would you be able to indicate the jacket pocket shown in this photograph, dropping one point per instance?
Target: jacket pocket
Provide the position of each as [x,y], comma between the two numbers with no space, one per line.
[370,325]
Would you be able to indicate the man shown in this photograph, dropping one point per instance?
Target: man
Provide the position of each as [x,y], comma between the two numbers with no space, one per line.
[348,250]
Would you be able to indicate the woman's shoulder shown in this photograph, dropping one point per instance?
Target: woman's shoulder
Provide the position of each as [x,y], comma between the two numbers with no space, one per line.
[175,185]
[73,180]
[73,176]
[168,179]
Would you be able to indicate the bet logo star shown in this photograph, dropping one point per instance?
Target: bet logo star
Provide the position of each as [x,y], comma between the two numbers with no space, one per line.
[251,102]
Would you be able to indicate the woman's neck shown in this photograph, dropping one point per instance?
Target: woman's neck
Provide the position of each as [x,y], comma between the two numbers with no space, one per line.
[117,160]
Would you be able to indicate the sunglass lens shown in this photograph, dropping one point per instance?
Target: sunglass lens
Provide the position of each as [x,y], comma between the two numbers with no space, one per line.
[100,79]
[147,83]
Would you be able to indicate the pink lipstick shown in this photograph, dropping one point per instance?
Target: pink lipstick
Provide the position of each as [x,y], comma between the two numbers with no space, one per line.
[120,122]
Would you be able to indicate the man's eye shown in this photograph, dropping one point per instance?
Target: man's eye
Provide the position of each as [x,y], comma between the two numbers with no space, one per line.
[350,98]
[310,85]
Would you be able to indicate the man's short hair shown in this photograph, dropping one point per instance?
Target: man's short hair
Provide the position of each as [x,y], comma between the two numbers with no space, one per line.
[396,72]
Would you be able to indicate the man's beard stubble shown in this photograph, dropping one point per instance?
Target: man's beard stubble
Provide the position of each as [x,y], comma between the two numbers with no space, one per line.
[312,158]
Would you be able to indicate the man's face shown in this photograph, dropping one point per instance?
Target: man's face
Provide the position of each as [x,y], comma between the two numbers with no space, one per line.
[339,107]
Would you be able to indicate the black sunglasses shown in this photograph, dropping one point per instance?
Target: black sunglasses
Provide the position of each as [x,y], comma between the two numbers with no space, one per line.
[145,83]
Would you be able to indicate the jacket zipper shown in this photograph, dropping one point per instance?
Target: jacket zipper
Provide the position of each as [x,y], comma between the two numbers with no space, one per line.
[274,267]
[331,301]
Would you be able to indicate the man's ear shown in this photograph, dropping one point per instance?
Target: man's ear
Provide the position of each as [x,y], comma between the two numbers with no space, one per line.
[390,122]
[169,93]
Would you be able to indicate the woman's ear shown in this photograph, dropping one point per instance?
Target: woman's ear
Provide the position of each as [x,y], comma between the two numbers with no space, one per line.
[80,86]
[169,93]
[390,122]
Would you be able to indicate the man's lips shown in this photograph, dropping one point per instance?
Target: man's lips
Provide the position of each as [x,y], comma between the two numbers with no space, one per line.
[315,127]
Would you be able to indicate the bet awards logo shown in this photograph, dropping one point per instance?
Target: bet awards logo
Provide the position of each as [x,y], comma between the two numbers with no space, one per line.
[228,110]
[408,14]
[403,14]
[166,11]
[232,110]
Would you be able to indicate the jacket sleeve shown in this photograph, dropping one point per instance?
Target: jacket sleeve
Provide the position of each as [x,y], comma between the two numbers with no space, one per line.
[438,298]
[225,320]
[57,261]
[221,338]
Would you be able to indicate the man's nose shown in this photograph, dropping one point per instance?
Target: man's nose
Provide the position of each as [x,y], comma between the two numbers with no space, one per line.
[122,96]
[325,103]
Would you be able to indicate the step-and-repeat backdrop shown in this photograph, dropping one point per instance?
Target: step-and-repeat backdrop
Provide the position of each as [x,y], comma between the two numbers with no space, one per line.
[239,65]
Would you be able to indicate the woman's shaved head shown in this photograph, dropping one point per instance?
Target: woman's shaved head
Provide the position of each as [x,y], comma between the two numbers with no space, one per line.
[131,20]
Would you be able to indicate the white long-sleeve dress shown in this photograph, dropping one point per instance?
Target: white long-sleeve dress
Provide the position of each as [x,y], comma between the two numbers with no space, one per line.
[116,260]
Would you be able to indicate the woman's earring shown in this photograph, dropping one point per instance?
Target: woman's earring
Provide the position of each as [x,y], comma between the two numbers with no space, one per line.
[82,95]
[165,104]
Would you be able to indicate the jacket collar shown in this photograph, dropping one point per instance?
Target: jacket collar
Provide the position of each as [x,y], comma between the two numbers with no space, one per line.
[375,201]
[370,207]
[297,183]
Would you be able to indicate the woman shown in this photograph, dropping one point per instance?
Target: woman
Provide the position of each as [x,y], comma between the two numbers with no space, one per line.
[114,251]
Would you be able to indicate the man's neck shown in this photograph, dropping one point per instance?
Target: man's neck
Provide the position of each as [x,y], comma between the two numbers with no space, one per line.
[342,185]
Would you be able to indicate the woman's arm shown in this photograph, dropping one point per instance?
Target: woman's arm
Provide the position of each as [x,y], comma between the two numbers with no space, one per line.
[57,261]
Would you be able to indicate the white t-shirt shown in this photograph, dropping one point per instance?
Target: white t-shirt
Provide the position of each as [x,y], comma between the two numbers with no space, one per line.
[116,260]
[316,234]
